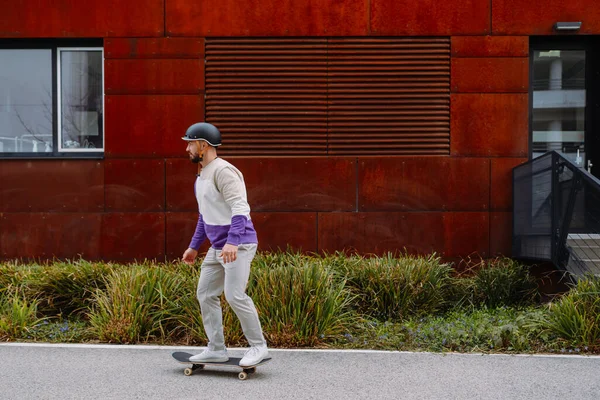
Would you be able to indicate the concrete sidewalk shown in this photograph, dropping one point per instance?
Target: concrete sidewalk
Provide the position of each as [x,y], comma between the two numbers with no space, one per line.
[45,371]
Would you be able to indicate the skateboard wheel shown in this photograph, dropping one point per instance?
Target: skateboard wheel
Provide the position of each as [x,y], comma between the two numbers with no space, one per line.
[187,371]
[243,376]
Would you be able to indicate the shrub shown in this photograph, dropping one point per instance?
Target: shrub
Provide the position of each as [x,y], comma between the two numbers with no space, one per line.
[14,275]
[17,315]
[576,316]
[391,288]
[499,329]
[138,304]
[299,302]
[67,287]
[499,282]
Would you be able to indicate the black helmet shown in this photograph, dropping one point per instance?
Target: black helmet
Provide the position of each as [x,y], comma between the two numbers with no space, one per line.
[203,131]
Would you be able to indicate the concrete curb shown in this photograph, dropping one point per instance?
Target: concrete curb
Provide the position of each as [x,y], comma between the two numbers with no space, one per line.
[272,350]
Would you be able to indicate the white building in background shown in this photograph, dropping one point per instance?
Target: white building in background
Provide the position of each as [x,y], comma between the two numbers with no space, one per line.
[559,104]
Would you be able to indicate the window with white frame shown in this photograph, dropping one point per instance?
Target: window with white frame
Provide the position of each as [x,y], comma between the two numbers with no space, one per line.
[51,101]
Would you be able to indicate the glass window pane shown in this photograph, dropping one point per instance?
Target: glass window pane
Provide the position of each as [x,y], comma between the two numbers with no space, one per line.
[81,100]
[559,101]
[25,101]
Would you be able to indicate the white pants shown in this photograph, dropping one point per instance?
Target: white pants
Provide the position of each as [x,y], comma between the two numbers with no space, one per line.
[216,276]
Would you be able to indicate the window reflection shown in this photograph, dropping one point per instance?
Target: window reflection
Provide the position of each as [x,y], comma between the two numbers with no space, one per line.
[559,101]
[81,99]
[25,101]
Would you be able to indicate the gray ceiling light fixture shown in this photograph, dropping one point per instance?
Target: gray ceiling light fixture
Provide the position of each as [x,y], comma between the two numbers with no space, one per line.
[567,26]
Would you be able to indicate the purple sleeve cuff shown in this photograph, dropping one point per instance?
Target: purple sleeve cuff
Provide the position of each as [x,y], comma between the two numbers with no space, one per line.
[238,226]
[199,235]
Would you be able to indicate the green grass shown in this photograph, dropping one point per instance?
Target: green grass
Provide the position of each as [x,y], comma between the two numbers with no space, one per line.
[475,330]
[390,288]
[138,305]
[299,302]
[67,287]
[576,317]
[500,282]
[60,331]
[17,316]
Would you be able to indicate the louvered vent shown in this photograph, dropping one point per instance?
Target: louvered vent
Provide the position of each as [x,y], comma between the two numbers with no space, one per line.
[389,96]
[356,96]
[268,96]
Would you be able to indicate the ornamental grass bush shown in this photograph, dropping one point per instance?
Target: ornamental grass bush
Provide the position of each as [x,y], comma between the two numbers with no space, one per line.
[299,301]
[394,288]
[575,317]
[415,302]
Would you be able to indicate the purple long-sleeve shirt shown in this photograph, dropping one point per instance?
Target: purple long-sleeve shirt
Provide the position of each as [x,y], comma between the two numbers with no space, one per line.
[224,211]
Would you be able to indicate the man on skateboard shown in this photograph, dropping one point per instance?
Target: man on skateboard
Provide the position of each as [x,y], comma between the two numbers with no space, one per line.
[225,220]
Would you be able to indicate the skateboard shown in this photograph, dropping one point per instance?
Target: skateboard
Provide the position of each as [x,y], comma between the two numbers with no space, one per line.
[233,362]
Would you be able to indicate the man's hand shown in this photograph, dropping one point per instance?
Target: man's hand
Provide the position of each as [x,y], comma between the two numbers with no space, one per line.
[189,256]
[229,253]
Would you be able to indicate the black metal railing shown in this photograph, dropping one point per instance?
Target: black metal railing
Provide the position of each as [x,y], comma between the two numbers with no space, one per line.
[556,214]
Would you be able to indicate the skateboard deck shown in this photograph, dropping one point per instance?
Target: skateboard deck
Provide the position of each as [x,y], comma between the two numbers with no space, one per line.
[233,362]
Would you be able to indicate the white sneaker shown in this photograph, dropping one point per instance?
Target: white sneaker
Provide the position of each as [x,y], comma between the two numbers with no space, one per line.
[253,356]
[211,356]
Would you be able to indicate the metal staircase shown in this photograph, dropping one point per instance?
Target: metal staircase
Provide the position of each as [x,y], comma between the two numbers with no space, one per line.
[556,216]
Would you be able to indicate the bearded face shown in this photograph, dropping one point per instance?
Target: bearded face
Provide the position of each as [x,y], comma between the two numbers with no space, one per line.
[195,151]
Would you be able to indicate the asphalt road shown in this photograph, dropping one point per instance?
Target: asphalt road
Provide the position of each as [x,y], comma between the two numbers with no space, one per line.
[148,372]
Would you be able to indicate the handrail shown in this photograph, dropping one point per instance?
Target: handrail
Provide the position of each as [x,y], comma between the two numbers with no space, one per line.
[586,175]
[555,205]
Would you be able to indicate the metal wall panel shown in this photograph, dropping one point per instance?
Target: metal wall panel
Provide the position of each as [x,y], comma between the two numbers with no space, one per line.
[133,236]
[389,96]
[149,126]
[275,184]
[335,96]
[466,233]
[278,231]
[49,235]
[526,17]
[430,17]
[299,184]
[153,76]
[180,178]
[501,182]
[380,232]
[135,185]
[490,125]
[490,46]
[501,234]
[490,75]
[268,96]
[73,18]
[283,96]
[154,48]
[275,231]
[423,184]
[180,228]
[51,186]
[267,17]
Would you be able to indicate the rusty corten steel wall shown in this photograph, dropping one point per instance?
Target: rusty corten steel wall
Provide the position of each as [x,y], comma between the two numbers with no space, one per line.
[330,96]
[137,202]
[268,96]
[389,96]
